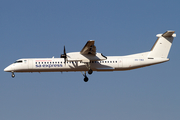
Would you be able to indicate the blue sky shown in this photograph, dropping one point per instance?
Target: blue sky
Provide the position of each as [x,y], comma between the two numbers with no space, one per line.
[40,28]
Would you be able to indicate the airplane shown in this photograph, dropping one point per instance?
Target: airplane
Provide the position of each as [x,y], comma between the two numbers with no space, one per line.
[88,60]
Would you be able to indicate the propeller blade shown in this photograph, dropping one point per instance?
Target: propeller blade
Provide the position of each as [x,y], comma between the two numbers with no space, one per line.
[65,51]
[64,55]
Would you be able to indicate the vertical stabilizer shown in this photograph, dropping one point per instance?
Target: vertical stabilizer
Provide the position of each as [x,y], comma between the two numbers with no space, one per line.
[163,45]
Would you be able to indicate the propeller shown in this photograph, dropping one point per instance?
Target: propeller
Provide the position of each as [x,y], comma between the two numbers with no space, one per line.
[64,55]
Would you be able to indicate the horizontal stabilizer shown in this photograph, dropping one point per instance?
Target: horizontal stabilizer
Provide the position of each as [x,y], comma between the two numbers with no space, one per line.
[168,33]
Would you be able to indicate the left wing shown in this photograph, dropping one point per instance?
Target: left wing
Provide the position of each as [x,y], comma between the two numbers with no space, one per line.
[89,48]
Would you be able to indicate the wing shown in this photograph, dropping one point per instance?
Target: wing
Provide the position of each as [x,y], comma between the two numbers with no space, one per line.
[87,54]
[89,48]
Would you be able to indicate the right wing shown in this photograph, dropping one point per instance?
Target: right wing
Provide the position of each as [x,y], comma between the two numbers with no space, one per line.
[89,48]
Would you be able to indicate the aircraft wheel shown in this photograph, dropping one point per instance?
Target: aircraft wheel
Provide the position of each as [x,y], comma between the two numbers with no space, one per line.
[13,75]
[90,71]
[85,79]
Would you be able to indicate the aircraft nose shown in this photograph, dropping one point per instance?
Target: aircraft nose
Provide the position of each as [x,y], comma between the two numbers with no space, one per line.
[8,69]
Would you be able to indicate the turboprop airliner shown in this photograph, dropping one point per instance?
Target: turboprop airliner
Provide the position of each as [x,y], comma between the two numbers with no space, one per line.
[88,60]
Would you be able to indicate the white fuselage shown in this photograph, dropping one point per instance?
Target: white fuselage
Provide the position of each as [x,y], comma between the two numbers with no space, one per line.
[112,63]
[90,60]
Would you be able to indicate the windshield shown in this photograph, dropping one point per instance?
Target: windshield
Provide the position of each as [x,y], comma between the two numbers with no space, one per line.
[18,61]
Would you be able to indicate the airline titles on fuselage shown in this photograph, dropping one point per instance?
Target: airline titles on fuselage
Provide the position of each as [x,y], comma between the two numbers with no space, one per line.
[47,64]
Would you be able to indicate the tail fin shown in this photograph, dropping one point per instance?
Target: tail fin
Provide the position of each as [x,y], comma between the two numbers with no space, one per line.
[163,45]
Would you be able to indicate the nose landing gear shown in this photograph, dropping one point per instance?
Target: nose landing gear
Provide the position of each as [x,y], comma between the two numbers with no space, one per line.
[13,75]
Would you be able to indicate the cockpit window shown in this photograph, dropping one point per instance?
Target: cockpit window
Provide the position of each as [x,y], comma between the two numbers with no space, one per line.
[18,61]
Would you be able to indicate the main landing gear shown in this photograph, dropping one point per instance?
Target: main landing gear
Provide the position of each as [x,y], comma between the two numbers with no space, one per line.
[90,71]
[89,68]
[13,75]
[85,76]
